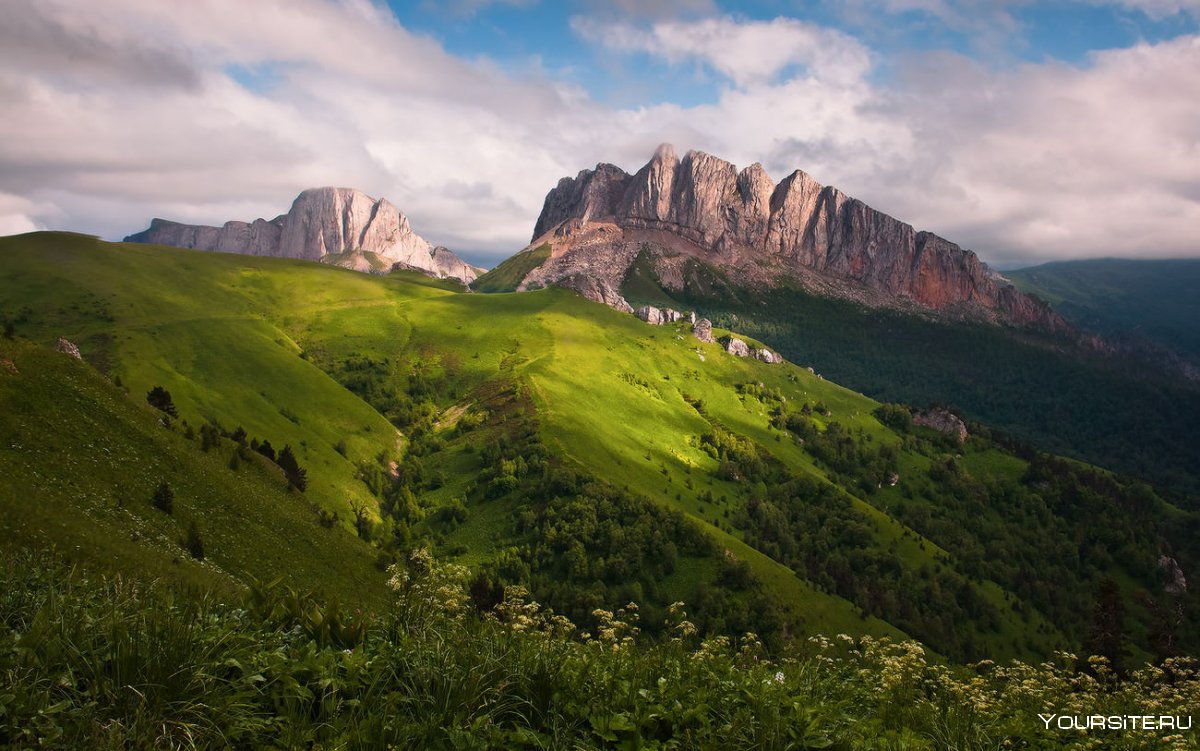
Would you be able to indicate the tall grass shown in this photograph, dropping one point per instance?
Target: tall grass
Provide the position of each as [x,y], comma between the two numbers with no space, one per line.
[90,662]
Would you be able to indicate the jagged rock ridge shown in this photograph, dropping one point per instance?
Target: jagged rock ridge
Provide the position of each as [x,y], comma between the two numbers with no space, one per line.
[702,207]
[342,226]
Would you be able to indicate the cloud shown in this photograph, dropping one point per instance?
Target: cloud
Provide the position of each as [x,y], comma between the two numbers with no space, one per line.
[15,215]
[650,9]
[1157,9]
[469,8]
[1037,161]
[1058,160]
[745,52]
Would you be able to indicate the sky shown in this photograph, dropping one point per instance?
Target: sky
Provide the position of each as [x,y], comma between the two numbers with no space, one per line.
[1026,131]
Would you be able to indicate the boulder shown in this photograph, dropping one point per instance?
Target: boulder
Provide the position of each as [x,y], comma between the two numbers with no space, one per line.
[767,356]
[702,330]
[737,347]
[651,315]
[67,348]
[1174,581]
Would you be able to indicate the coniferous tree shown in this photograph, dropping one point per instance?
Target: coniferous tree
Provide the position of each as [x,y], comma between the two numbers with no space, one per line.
[266,449]
[195,543]
[164,498]
[210,437]
[296,476]
[1107,637]
[160,399]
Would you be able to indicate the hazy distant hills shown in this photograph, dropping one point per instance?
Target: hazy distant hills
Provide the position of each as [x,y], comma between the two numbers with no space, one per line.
[1158,301]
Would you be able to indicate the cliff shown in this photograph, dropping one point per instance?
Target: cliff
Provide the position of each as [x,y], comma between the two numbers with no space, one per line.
[703,207]
[342,226]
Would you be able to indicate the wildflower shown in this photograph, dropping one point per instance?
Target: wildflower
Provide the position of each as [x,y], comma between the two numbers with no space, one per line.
[779,676]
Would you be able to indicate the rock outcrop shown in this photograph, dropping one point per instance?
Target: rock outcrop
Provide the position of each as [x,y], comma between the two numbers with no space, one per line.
[1174,582]
[660,316]
[702,207]
[767,356]
[67,347]
[702,330]
[342,226]
[737,347]
[651,315]
[942,420]
[596,290]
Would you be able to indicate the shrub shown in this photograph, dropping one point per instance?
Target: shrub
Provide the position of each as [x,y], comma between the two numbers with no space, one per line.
[164,498]
[160,399]
[194,542]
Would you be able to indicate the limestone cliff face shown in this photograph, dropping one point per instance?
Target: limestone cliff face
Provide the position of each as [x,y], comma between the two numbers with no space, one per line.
[758,230]
[334,225]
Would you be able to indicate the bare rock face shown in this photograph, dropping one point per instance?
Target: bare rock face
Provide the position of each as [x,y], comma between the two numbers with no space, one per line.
[342,226]
[767,356]
[737,347]
[67,348]
[942,420]
[702,330]
[742,222]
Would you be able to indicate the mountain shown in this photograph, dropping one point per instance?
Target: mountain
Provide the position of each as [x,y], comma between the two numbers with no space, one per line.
[702,210]
[840,294]
[342,226]
[1148,301]
[542,440]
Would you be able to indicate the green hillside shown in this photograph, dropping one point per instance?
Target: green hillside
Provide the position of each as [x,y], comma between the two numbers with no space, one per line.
[1121,413]
[82,461]
[1151,300]
[542,439]
[508,275]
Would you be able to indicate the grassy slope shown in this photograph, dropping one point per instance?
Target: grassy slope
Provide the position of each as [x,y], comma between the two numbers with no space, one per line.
[81,461]
[610,413]
[209,326]
[506,276]
[1152,299]
[197,324]
[1060,398]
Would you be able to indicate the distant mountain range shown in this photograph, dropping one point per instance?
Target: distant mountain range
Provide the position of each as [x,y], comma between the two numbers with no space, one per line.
[341,226]
[1153,302]
[679,214]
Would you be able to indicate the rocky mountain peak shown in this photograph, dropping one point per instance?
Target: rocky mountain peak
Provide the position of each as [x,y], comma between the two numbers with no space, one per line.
[343,226]
[760,232]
